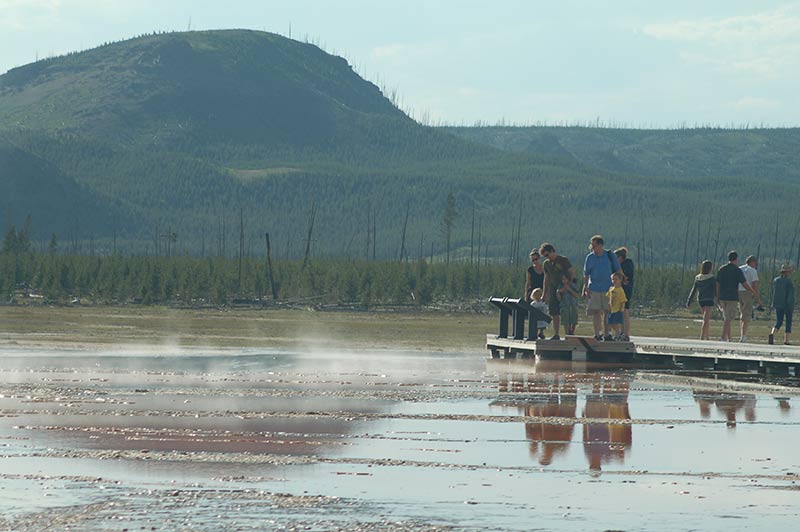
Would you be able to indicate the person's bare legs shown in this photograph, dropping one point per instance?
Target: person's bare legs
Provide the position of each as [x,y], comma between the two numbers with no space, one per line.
[744,326]
[627,315]
[726,330]
[704,330]
[605,323]
[597,316]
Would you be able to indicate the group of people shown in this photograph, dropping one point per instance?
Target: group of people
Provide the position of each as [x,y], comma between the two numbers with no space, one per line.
[550,286]
[735,288]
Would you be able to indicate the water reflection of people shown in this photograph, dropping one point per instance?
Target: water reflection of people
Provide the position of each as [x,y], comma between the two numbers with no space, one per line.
[605,442]
[550,439]
[728,404]
[557,397]
[783,404]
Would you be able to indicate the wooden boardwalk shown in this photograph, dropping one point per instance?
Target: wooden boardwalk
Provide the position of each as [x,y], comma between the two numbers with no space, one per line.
[779,359]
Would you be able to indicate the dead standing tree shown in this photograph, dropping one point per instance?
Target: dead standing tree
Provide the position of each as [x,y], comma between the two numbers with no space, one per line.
[312,217]
[472,236]
[241,248]
[448,221]
[271,270]
[403,252]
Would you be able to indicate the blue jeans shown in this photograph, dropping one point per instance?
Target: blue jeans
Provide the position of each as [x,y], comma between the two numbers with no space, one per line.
[780,314]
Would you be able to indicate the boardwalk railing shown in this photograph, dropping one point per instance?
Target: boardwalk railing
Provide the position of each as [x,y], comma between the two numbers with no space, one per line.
[518,310]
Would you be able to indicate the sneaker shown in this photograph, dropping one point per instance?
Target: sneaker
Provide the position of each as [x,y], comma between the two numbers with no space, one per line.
[771,339]
[743,340]
[625,338]
[608,338]
[598,337]
[541,336]
[555,337]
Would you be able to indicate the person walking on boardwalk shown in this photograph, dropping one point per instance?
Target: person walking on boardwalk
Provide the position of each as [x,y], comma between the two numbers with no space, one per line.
[555,268]
[747,297]
[705,287]
[597,270]
[727,292]
[783,303]
[534,277]
[626,265]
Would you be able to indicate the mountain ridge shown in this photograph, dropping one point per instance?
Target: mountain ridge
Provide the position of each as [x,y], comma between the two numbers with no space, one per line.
[186,132]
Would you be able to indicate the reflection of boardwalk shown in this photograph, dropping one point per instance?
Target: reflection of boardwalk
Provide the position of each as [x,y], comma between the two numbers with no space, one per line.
[729,404]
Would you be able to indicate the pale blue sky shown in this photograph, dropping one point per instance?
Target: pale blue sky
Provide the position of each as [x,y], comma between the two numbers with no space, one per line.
[640,63]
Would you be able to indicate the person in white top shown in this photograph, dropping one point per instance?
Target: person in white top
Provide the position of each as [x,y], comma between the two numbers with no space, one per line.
[747,297]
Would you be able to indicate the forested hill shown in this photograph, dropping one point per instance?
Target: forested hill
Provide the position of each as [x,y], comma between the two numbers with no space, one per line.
[698,152]
[185,142]
[244,94]
[30,185]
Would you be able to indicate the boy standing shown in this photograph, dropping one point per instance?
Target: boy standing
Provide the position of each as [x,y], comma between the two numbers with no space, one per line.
[617,299]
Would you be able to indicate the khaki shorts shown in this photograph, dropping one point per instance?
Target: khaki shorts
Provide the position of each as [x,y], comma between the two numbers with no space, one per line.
[598,301]
[746,305]
[729,309]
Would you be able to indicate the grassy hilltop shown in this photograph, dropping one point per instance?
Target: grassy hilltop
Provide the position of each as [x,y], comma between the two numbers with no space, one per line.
[178,132]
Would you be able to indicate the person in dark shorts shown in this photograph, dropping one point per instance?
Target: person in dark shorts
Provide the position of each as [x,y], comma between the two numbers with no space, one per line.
[626,265]
[534,277]
[555,268]
[705,286]
[727,292]
[783,303]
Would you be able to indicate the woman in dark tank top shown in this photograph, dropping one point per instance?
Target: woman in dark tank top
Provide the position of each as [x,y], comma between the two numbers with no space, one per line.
[534,277]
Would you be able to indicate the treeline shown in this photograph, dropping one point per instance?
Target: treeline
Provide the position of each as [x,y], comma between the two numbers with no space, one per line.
[116,279]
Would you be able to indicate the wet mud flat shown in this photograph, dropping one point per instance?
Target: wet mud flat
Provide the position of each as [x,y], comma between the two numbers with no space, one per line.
[165,438]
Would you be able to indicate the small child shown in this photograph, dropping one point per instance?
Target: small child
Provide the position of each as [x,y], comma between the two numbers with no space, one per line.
[568,296]
[616,300]
[538,304]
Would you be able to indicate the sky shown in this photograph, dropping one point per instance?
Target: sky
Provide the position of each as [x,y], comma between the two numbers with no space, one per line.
[623,62]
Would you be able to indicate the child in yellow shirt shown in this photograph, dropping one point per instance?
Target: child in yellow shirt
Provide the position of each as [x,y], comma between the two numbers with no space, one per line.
[616,299]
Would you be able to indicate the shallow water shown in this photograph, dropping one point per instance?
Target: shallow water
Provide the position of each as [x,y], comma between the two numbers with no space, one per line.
[386,440]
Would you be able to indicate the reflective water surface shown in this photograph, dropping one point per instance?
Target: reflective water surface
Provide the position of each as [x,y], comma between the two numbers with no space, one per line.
[391,440]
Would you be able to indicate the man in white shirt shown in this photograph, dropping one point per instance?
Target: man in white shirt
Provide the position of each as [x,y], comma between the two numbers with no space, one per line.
[747,297]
